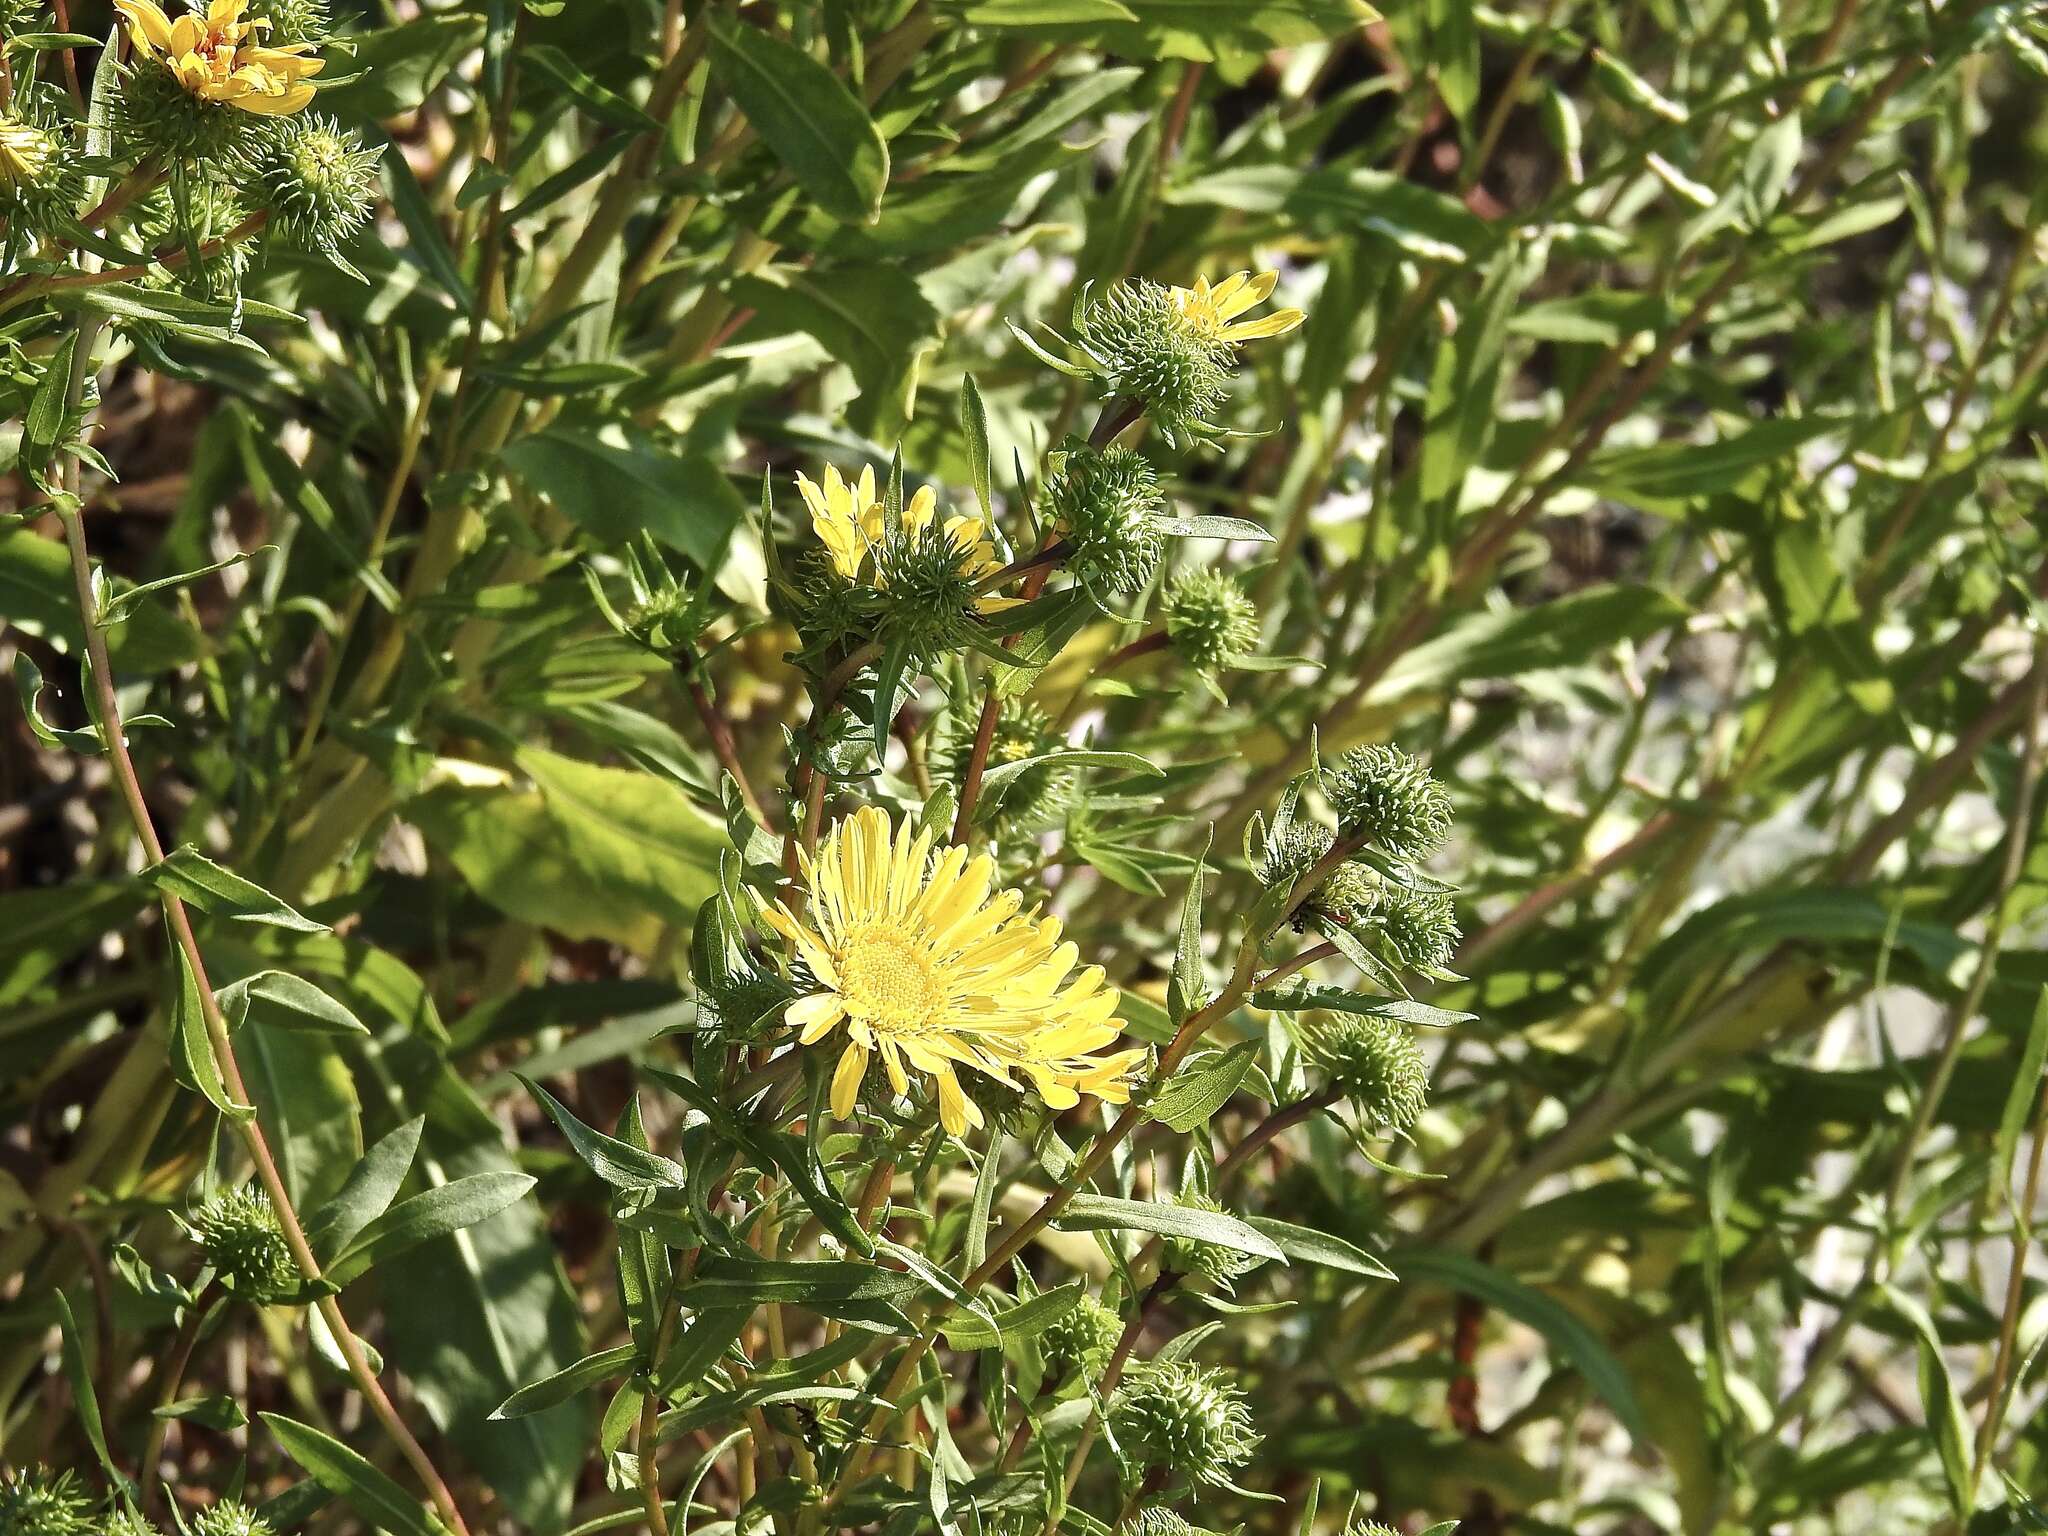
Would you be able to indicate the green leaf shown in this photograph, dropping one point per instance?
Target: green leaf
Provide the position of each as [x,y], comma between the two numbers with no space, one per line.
[804,113]
[368,1191]
[348,1476]
[1107,1213]
[397,68]
[1209,526]
[565,1384]
[1565,632]
[1186,987]
[85,1402]
[1948,1421]
[974,428]
[1565,1333]
[872,317]
[590,852]
[37,596]
[1193,1095]
[616,483]
[303,1005]
[1414,219]
[1003,774]
[123,602]
[724,1281]
[430,1214]
[605,105]
[306,1103]
[1025,1320]
[192,1059]
[218,1413]
[192,877]
[1303,998]
[620,1165]
[1177,29]
[1313,1247]
[2025,1093]
[43,425]
[1668,473]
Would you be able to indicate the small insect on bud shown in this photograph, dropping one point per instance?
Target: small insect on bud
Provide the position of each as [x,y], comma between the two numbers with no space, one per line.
[34,1501]
[315,176]
[1377,1063]
[1184,1417]
[1103,502]
[1212,1263]
[1420,927]
[1389,798]
[1210,623]
[1347,895]
[239,1231]
[1079,1343]
[230,1517]
[1144,348]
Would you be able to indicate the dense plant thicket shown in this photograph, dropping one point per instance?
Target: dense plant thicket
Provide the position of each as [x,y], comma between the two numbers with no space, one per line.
[1007,766]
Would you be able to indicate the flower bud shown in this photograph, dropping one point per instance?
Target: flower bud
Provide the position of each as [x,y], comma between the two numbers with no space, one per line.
[1034,799]
[230,1517]
[154,114]
[1159,1521]
[292,21]
[931,584]
[1371,1528]
[1377,1063]
[1210,623]
[1212,1263]
[1144,348]
[34,1501]
[1103,501]
[1420,927]
[1184,1417]
[1347,895]
[317,179]
[124,1521]
[239,1231]
[1080,1342]
[1392,800]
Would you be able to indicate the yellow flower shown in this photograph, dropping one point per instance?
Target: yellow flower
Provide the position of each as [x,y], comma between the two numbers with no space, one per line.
[1212,311]
[217,57]
[922,965]
[24,151]
[850,522]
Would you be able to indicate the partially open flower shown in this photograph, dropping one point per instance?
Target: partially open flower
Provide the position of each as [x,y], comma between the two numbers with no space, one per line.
[1143,347]
[220,56]
[1213,312]
[924,966]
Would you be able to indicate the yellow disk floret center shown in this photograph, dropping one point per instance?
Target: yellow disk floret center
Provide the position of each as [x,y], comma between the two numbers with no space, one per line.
[888,982]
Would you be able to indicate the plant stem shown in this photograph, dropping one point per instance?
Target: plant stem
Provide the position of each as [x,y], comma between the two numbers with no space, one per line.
[101,675]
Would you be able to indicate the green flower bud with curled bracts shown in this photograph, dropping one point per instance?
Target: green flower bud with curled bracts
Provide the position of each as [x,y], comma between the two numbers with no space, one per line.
[316,178]
[34,1501]
[230,1517]
[239,1230]
[1103,502]
[1159,1521]
[1389,798]
[1420,927]
[1186,1418]
[1376,1062]
[1212,1263]
[1347,895]
[1032,800]
[1210,622]
[1143,348]
[1079,1343]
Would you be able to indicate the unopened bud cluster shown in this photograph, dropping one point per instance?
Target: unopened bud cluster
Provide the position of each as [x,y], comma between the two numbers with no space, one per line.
[316,178]
[230,1517]
[1188,1419]
[1079,1343]
[1376,1062]
[1213,1263]
[1210,623]
[239,1230]
[34,1501]
[1104,503]
[1388,798]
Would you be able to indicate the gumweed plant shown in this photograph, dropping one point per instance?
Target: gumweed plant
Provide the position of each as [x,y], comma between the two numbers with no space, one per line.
[1011,768]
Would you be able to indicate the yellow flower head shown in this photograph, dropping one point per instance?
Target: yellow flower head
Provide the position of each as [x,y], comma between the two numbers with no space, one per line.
[851,522]
[218,57]
[24,152]
[1213,312]
[924,965]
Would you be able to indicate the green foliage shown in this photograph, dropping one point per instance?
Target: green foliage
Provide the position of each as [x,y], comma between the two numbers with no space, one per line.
[1126,767]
